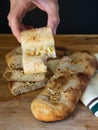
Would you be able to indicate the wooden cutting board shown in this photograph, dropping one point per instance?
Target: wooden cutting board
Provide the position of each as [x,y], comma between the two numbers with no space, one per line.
[15,113]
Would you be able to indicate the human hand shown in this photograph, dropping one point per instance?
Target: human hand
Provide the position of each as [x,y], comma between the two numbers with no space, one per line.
[19,8]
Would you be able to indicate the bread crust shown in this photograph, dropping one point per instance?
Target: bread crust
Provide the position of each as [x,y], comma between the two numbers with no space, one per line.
[64,89]
[14,59]
[19,75]
[17,88]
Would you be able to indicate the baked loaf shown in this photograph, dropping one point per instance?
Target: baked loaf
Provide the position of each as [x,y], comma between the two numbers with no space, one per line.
[37,45]
[64,89]
[19,75]
[17,88]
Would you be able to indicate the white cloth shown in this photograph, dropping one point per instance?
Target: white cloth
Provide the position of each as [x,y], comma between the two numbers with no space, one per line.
[90,95]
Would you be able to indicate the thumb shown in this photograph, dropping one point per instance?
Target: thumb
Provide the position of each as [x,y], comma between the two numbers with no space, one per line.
[53,16]
[53,21]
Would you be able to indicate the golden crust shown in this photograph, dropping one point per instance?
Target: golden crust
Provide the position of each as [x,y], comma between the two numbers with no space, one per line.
[13,52]
[14,58]
[54,103]
[47,113]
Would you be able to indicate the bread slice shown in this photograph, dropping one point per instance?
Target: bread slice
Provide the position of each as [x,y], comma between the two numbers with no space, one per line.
[17,88]
[19,75]
[64,89]
[37,44]
[14,58]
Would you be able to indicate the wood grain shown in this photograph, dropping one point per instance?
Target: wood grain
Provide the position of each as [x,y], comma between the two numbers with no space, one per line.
[15,113]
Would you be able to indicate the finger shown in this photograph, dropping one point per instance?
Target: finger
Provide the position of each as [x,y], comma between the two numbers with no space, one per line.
[52,9]
[16,28]
[53,21]
[29,6]
[53,17]
[15,17]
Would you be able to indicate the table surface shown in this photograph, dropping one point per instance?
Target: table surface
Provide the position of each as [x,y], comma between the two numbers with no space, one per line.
[15,113]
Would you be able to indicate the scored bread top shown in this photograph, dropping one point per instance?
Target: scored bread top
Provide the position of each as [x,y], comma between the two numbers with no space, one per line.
[37,43]
[79,62]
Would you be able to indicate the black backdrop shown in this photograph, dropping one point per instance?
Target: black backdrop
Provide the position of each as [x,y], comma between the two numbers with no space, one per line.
[77,17]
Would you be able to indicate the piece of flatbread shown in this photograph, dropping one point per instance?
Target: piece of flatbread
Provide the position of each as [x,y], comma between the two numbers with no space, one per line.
[37,44]
[17,88]
[64,89]
[19,75]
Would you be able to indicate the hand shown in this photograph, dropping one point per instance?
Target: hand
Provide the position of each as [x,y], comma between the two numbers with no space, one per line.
[19,8]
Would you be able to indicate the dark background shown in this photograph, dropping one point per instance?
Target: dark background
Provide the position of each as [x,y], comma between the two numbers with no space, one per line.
[77,17]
